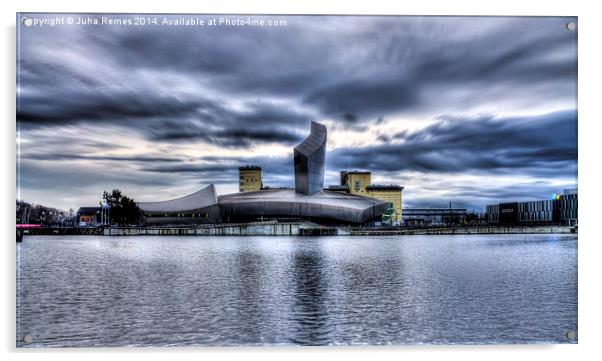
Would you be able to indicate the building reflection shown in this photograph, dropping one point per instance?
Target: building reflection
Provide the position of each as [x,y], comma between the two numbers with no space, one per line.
[309,314]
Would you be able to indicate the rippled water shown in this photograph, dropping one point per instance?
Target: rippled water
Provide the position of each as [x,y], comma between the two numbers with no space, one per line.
[117,291]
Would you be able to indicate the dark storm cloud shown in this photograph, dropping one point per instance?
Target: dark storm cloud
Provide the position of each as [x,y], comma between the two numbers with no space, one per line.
[63,96]
[543,145]
[351,99]
[35,175]
[72,156]
[87,105]
[259,122]
[224,137]
[347,68]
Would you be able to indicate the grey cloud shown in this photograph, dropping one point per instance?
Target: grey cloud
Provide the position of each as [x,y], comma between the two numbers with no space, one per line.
[78,105]
[538,145]
[277,171]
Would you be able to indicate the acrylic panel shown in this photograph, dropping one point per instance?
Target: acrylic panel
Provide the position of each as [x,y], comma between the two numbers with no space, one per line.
[260,180]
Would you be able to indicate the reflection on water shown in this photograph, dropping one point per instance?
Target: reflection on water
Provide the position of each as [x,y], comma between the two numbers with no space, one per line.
[101,291]
[309,313]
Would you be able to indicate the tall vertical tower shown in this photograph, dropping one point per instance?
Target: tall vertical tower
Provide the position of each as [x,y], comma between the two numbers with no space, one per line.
[309,159]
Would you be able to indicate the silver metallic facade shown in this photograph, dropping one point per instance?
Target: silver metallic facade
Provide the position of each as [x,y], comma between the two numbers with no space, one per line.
[309,158]
[269,204]
[322,207]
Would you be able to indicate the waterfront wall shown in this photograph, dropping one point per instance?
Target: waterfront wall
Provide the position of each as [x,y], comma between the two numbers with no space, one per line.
[465,230]
[237,229]
[308,229]
[290,229]
[63,231]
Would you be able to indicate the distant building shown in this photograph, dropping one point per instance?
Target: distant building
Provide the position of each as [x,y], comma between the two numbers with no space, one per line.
[561,209]
[88,216]
[392,194]
[424,217]
[567,207]
[93,216]
[533,212]
[250,178]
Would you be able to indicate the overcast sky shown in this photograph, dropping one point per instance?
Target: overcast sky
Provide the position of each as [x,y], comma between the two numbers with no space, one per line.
[468,110]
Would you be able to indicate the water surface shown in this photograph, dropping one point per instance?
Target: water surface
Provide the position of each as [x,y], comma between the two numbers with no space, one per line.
[177,291]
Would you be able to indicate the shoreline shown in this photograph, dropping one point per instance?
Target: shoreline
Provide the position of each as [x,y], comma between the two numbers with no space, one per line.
[292,229]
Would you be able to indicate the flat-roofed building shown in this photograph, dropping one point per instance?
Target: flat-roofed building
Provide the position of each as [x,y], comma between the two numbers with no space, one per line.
[560,209]
[390,193]
[250,178]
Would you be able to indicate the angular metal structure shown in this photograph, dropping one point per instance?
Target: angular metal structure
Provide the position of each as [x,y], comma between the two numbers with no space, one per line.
[308,201]
[198,207]
[309,160]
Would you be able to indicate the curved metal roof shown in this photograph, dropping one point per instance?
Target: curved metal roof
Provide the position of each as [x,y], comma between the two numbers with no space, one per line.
[325,197]
[276,202]
[286,203]
[204,198]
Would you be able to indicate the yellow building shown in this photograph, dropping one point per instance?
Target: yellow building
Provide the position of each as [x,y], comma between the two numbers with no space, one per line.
[388,193]
[356,181]
[249,178]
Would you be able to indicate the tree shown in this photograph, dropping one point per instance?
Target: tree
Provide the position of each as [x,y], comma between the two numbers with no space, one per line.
[124,210]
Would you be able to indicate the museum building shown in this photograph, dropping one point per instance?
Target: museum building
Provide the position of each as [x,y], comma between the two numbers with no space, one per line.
[307,201]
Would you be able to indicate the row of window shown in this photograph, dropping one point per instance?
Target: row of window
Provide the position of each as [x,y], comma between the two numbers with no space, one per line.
[568,214]
[177,215]
[536,206]
[536,216]
[568,202]
[565,202]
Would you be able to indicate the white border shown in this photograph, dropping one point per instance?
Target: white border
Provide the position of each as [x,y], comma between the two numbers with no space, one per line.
[589,174]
